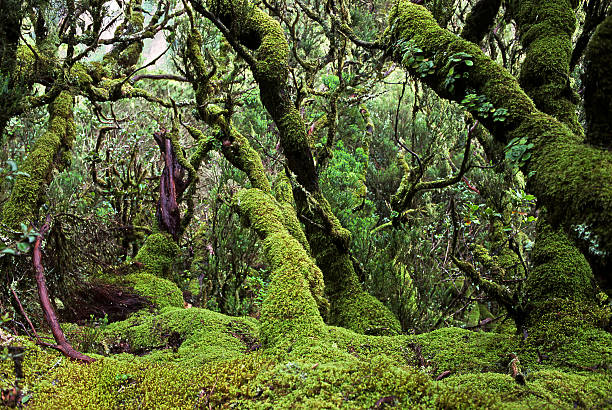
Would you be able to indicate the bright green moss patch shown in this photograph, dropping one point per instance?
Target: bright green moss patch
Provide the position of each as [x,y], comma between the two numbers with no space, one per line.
[295,295]
[162,292]
[194,335]
[462,351]
[544,388]
[195,358]
[158,255]
[340,370]
[363,313]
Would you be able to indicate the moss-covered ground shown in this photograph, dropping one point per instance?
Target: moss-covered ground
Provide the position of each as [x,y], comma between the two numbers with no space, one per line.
[195,358]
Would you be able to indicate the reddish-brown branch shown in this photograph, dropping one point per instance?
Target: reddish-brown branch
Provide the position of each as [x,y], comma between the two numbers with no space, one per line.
[470,186]
[62,343]
[25,315]
[171,187]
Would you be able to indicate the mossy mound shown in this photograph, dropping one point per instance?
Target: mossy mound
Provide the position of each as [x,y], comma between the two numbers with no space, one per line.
[158,255]
[162,292]
[177,335]
[363,313]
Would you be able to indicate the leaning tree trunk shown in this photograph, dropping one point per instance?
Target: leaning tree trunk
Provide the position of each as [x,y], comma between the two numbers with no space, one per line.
[570,179]
[51,151]
[351,306]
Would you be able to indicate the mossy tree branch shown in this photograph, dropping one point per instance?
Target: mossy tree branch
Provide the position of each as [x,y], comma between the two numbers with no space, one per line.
[256,30]
[480,20]
[570,178]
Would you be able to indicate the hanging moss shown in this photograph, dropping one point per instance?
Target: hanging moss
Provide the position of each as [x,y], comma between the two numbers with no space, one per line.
[124,55]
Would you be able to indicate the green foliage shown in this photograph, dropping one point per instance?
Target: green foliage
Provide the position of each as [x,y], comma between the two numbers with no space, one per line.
[518,151]
[413,57]
[480,105]
[459,63]
[23,243]
[331,81]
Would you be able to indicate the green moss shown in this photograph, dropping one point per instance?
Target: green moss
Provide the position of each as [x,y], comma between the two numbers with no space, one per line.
[333,369]
[545,388]
[568,177]
[284,196]
[162,292]
[158,255]
[80,75]
[570,334]
[46,155]
[295,294]
[462,351]
[179,335]
[560,270]
[351,307]
[546,29]
[363,313]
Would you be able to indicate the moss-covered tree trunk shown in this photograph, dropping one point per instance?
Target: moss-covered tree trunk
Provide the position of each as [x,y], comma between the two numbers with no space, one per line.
[50,152]
[570,179]
[561,306]
[263,44]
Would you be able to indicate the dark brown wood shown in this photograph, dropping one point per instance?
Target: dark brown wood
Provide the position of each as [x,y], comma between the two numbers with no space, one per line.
[50,316]
[173,183]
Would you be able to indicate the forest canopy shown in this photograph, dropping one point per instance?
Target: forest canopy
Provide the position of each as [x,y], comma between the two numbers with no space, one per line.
[306,203]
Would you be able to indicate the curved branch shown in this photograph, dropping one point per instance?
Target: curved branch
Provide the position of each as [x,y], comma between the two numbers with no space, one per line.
[50,316]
